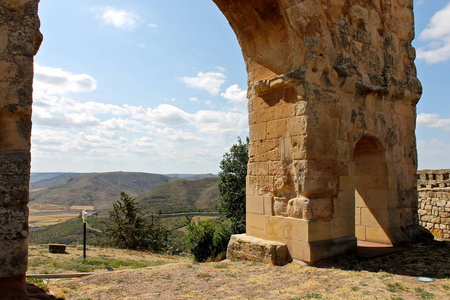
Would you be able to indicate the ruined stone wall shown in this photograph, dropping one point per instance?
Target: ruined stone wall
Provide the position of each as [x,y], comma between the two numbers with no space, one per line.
[19,42]
[434,201]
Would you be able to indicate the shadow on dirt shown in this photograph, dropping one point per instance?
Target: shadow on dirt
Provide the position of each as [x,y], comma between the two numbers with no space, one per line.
[430,259]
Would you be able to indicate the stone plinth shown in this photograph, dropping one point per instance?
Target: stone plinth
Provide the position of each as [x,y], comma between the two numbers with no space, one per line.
[242,246]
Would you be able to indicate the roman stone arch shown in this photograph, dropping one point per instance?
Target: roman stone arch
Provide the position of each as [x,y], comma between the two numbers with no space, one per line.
[322,75]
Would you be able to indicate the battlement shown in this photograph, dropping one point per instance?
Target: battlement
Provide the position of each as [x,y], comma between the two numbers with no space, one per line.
[433,178]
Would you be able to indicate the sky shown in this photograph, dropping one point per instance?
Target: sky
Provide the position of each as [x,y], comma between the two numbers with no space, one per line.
[160,86]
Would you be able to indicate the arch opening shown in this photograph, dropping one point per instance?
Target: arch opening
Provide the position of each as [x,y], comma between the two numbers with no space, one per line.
[371,191]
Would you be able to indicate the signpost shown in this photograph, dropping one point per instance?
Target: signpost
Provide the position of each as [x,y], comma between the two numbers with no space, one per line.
[84,217]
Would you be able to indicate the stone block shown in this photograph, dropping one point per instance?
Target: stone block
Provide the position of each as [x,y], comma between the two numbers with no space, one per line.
[343,226]
[357,216]
[255,204]
[15,162]
[377,235]
[274,228]
[14,257]
[14,190]
[319,230]
[242,246]
[57,248]
[13,222]
[360,195]
[255,225]
[276,129]
[377,199]
[296,125]
[360,232]
[346,186]
[268,205]
[378,182]
[375,217]
[296,229]
[280,206]
[258,132]
[343,207]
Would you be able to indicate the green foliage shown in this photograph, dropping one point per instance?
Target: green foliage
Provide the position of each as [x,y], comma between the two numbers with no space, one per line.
[129,228]
[232,180]
[424,294]
[207,239]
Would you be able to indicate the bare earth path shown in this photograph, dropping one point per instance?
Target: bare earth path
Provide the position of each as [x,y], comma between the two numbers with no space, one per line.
[388,277]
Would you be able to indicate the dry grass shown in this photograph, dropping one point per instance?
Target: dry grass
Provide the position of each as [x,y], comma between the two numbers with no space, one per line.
[245,280]
[40,261]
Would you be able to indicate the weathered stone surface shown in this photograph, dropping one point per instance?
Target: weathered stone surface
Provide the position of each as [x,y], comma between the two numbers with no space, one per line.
[15,162]
[246,247]
[13,257]
[19,42]
[13,222]
[14,190]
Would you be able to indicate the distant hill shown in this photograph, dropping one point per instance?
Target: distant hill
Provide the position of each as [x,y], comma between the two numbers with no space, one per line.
[90,189]
[38,178]
[192,176]
[182,195]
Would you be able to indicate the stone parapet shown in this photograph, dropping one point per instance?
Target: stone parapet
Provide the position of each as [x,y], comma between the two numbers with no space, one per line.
[434,201]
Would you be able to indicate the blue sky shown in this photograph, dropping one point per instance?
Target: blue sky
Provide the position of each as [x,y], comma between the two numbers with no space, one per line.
[160,86]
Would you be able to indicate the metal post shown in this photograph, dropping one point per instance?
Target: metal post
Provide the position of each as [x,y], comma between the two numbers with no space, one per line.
[84,217]
[84,242]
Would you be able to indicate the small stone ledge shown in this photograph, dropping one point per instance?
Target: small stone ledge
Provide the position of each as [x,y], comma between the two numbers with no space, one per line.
[246,247]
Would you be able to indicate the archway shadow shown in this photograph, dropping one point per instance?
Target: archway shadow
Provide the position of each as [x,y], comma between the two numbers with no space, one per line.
[428,259]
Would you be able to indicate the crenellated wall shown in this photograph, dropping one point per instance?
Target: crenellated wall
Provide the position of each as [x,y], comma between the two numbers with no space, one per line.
[434,201]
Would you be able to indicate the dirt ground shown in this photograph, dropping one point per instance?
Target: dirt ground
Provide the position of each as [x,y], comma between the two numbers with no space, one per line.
[347,277]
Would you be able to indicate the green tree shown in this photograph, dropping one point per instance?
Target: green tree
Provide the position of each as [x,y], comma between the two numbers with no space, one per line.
[232,185]
[130,228]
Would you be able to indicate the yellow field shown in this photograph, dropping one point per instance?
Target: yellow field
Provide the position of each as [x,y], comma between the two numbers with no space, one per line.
[54,217]
[81,207]
[47,220]
[45,207]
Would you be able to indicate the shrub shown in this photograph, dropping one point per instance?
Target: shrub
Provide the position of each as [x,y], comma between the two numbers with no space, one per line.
[207,240]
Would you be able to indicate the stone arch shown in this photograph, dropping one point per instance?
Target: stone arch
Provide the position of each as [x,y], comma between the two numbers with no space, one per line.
[319,74]
[372,191]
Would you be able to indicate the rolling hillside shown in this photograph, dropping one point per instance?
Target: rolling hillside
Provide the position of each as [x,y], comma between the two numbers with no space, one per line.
[182,195]
[92,189]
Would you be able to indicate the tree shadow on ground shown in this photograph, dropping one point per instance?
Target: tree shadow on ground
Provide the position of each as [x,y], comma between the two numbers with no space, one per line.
[430,259]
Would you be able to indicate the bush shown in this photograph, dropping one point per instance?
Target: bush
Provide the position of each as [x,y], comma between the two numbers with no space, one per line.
[207,240]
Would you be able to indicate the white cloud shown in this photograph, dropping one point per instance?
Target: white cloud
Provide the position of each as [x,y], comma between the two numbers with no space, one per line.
[220,122]
[437,33]
[119,18]
[433,154]
[433,121]
[57,81]
[103,136]
[209,81]
[236,96]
